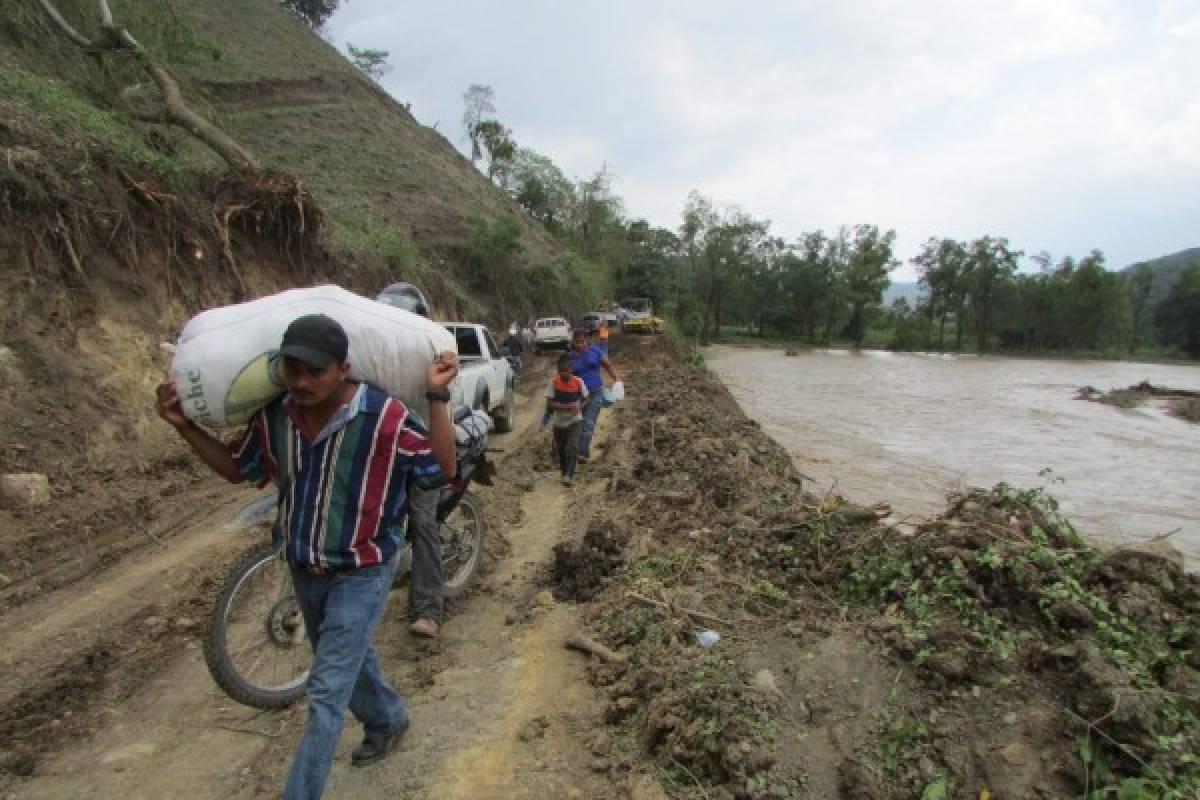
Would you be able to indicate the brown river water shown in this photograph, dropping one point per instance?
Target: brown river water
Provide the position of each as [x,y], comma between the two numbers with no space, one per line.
[907,428]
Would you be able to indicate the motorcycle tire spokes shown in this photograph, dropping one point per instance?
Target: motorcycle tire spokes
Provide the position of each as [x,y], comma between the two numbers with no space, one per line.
[462,533]
[256,647]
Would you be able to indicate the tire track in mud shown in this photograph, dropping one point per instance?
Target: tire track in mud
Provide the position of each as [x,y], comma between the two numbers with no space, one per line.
[491,702]
[72,653]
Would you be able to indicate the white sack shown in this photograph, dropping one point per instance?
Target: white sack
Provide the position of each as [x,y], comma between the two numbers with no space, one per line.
[221,364]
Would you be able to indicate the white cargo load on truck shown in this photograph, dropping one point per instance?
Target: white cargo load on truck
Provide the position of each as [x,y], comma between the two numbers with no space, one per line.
[222,365]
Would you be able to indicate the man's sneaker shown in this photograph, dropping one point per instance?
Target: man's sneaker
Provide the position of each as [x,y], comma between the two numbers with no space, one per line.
[377,749]
[425,627]
[581,459]
[566,480]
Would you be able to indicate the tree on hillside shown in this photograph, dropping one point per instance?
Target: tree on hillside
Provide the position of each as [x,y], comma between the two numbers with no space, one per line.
[596,220]
[372,62]
[1141,284]
[314,12]
[480,105]
[496,141]
[540,187]
[174,110]
[491,253]
[1099,315]
[1178,315]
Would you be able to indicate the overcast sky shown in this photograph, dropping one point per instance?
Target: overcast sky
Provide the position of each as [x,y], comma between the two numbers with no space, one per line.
[1061,124]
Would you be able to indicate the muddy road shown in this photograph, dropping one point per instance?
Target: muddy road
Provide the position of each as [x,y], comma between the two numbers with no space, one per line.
[987,651]
[106,694]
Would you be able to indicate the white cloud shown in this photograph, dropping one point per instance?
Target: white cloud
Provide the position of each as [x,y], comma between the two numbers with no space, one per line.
[1046,120]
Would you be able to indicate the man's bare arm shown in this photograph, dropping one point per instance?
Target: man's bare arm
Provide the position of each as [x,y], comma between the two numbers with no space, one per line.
[211,450]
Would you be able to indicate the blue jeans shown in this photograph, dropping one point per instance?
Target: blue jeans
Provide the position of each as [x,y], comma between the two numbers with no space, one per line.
[591,412]
[340,613]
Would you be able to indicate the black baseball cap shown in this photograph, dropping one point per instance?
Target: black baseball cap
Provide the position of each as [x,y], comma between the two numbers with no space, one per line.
[315,339]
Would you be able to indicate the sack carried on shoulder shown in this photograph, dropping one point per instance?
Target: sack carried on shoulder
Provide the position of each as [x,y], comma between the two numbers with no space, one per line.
[222,362]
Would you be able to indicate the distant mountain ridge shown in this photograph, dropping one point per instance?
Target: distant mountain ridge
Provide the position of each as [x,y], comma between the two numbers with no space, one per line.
[909,290]
[1166,270]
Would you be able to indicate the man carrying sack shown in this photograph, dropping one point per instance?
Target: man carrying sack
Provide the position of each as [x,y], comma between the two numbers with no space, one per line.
[341,454]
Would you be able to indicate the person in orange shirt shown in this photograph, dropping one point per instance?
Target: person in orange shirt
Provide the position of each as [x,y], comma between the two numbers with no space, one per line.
[565,397]
[602,335]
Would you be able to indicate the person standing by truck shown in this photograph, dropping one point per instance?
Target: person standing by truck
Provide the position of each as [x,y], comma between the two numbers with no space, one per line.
[586,362]
[342,455]
[426,580]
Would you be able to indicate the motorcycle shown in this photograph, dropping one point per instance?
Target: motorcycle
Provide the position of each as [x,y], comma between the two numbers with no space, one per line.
[256,648]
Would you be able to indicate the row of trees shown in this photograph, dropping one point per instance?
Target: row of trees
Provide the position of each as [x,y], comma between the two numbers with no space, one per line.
[723,267]
[1068,306]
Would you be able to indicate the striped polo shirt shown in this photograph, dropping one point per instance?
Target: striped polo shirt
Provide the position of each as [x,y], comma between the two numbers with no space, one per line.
[342,497]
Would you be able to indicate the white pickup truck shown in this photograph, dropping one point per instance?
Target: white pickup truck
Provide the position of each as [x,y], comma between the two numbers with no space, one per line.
[485,378]
[551,332]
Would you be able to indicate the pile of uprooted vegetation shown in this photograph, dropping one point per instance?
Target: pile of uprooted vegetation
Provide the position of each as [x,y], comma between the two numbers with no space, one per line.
[1025,663]
[1182,403]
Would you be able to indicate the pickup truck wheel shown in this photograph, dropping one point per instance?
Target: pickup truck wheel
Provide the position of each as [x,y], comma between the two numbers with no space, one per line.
[502,417]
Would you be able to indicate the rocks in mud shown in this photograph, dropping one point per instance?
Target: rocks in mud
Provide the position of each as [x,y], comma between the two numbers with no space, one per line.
[602,745]
[1156,563]
[580,570]
[951,666]
[764,682]
[534,729]
[620,709]
[24,490]
[1070,615]
[859,781]
[647,788]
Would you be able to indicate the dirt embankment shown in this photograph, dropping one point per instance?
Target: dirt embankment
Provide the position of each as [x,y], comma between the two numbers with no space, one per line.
[101,260]
[991,650]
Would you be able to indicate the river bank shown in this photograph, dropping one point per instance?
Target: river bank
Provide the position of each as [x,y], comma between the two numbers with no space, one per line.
[908,429]
[991,650]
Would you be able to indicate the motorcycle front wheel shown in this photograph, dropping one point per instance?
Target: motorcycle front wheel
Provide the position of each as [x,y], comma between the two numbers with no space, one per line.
[256,648]
[462,533]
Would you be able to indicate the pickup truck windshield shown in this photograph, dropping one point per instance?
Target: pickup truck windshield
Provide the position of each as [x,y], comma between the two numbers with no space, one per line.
[468,343]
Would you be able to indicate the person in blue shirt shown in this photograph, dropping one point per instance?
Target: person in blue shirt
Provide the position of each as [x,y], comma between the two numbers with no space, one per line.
[586,361]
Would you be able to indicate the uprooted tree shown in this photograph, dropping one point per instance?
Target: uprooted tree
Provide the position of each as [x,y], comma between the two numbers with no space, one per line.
[175,110]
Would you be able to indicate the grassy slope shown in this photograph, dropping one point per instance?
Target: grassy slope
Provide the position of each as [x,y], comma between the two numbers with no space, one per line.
[392,190]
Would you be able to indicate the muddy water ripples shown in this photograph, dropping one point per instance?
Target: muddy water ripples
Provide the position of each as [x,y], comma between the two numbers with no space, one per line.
[908,428]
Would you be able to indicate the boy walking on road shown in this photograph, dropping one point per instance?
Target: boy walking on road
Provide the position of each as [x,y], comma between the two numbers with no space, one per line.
[564,402]
[342,455]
